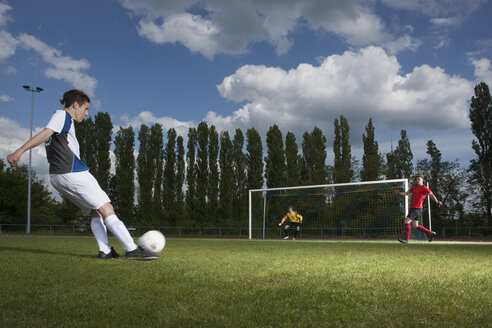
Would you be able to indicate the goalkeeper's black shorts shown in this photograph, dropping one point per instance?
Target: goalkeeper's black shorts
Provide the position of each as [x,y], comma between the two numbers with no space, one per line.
[294,224]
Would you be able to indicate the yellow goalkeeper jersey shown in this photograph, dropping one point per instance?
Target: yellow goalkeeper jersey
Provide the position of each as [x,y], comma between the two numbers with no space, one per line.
[293,217]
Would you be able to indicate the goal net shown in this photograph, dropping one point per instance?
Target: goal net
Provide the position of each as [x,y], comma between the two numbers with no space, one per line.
[346,210]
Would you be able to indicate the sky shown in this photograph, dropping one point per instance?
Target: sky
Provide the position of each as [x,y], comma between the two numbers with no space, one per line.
[241,63]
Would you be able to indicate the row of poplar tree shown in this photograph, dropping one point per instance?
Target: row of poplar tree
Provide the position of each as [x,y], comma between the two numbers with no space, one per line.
[205,182]
[218,169]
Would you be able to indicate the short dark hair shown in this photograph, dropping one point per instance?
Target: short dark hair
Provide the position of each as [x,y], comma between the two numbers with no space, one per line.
[419,176]
[290,206]
[74,95]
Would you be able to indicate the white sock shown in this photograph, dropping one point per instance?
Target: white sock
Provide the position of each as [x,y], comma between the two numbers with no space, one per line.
[100,232]
[121,232]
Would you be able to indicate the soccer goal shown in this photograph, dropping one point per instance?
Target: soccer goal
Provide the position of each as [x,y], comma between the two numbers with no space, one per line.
[346,210]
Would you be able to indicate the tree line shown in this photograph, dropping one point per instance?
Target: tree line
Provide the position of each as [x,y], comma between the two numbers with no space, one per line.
[206,181]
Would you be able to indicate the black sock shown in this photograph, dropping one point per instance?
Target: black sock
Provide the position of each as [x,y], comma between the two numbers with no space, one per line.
[295,233]
[286,232]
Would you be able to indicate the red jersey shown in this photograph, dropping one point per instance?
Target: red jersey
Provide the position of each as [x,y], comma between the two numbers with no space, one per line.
[418,195]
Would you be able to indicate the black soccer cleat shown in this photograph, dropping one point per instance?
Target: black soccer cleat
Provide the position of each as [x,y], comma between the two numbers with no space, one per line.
[431,237]
[403,241]
[141,254]
[111,255]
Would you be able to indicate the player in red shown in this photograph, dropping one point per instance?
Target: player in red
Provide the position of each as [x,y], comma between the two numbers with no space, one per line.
[418,192]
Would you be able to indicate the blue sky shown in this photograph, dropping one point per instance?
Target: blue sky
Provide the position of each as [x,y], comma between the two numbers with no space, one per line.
[408,64]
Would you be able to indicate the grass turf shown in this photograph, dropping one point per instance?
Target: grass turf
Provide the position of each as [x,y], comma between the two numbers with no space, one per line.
[58,282]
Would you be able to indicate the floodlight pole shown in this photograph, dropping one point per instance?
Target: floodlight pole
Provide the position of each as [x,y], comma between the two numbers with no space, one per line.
[29,169]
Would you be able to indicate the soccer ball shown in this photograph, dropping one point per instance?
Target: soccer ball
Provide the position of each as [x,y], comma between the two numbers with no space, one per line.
[152,241]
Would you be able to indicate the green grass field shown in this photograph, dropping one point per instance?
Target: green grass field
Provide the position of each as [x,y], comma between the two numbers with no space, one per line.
[58,282]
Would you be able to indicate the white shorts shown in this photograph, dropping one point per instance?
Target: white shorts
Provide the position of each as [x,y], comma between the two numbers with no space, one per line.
[81,188]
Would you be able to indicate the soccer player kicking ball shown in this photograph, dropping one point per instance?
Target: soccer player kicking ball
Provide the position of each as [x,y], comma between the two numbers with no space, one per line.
[418,192]
[295,219]
[71,178]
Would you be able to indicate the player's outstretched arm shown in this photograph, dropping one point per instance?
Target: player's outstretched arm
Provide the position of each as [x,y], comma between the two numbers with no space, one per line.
[283,220]
[402,193]
[35,141]
[434,198]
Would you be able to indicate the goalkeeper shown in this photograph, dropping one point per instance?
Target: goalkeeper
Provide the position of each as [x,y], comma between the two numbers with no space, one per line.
[295,220]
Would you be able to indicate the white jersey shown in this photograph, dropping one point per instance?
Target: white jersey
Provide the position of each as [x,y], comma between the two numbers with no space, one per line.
[62,148]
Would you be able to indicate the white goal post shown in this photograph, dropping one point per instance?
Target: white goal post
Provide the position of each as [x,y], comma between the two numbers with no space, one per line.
[325,195]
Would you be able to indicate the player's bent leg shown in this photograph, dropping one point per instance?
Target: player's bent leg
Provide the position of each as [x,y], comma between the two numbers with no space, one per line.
[416,226]
[89,195]
[296,232]
[119,230]
[286,231]
[83,198]
[117,227]
[106,210]
[430,234]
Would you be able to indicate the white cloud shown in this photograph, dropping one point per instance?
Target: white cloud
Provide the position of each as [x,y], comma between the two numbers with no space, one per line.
[445,21]
[9,70]
[6,98]
[149,118]
[483,46]
[438,8]
[442,41]
[483,70]
[359,85]
[405,42]
[211,27]
[484,43]
[444,15]
[12,136]
[8,44]
[63,67]
[196,33]
[96,103]
[4,16]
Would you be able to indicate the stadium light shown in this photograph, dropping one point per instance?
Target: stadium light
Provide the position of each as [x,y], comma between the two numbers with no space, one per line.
[28,225]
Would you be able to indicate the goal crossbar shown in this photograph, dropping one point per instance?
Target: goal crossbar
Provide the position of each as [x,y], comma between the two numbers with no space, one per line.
[250,191]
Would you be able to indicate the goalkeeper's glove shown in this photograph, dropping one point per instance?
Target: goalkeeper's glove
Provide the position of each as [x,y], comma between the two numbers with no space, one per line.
[280,224]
